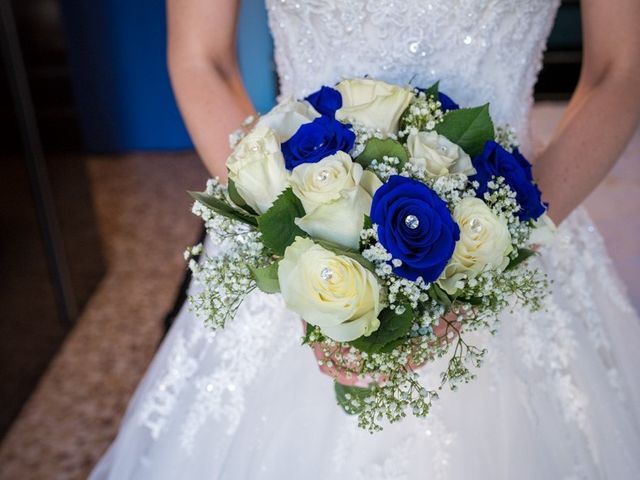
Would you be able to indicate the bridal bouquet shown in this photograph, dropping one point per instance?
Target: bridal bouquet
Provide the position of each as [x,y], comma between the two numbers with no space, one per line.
[391,220]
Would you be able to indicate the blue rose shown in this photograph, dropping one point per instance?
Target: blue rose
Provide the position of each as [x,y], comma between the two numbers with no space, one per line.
[415,226]
[326,101]
[446,102]
[313,141]
[516,170]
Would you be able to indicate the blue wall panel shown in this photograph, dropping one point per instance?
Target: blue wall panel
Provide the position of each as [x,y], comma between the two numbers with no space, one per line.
[117,53]
[255,55]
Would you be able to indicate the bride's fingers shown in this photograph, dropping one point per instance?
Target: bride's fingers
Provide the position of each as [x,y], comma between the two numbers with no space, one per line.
[337,374]
[331,367]
[448,327]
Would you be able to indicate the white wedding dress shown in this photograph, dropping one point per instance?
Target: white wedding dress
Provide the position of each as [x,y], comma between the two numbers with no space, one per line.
[559,396]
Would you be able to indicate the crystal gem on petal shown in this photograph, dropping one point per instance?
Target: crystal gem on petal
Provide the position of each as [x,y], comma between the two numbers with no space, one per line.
[411,221]
[322,175]
[326,274]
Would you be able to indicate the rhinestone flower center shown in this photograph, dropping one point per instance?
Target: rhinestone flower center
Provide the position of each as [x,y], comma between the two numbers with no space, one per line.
[322,175]
[411,221]
[475,225]
[326,274]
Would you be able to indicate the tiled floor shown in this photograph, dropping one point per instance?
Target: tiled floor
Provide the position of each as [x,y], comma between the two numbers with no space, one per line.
[145,222]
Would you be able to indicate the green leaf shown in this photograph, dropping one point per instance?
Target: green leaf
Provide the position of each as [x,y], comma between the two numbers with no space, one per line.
[470,128]
[223,208]
[393,328]
[310,330]
[433,90]
[367,225]
[277,224]
[367,222]
[332,247]
[377,148]
[523,256]
[345,395]
[439,295]
[266,278]
[234,195]
[236,198]
[476,301]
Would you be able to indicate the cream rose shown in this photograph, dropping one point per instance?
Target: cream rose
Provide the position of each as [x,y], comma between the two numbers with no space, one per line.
[437,155]
[333,292]
[287,117]
[336,194]
[484,242]
[373,103]
[325,181]
[256,166]
[341,221]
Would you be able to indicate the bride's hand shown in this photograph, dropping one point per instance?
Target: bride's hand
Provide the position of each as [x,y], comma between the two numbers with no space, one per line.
[329,365]
[446,330]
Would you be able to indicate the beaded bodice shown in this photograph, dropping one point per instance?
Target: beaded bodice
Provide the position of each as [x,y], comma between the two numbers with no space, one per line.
[480,50]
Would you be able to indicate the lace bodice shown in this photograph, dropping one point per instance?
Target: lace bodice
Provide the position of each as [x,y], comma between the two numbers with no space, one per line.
[480,50]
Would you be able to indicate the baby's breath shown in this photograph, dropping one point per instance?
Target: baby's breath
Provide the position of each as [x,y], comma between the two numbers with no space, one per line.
[506,137]
[386,167]
[423,114]
[502,201]
[363,135]
[239,134]
[225,279]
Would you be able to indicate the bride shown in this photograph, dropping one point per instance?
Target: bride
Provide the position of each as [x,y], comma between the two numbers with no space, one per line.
[558,397]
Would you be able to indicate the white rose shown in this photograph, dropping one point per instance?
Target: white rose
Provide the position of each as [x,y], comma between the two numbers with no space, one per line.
[286,117]
[333,292]
[256,166]
[437,155]
[373,103]
[324,181]
[336,194]
[484,242]
[339,221]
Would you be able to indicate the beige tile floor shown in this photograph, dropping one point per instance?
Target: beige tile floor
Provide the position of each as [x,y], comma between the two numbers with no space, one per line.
[144,219]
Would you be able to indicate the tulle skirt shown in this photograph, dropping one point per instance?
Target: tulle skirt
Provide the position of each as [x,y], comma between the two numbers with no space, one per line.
[557,398]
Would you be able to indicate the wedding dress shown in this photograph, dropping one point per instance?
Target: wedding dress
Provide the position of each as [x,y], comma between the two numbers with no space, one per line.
[559,396]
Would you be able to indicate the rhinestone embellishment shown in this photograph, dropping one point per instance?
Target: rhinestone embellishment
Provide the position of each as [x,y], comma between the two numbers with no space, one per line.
[411,221]
[326,274]
[322,175]
[476,225]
